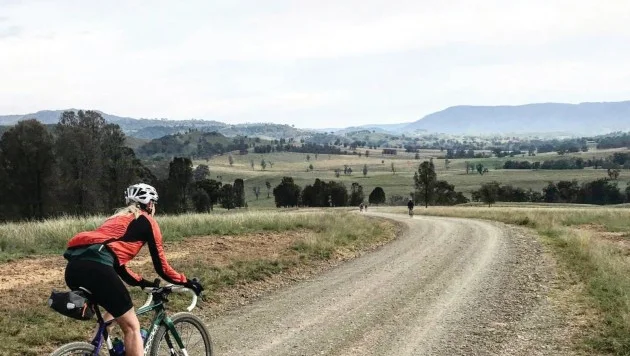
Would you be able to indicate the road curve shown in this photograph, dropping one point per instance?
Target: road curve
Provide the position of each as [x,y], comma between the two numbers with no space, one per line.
[447,286]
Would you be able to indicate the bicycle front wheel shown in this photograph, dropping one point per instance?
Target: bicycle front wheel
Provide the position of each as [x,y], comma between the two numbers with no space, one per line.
[78,348]
[191,330]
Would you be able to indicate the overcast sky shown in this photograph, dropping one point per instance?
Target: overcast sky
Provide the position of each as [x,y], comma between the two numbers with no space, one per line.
[310,63]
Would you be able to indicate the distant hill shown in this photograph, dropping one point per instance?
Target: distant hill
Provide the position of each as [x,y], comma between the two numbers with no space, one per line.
[155,128]
[584,119]
[191,144]
[382,128]
[547,118]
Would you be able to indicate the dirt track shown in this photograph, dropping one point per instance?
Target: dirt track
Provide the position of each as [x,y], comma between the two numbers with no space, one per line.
[446,287]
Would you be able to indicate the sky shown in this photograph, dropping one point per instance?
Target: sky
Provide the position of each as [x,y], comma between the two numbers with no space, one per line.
[312,64]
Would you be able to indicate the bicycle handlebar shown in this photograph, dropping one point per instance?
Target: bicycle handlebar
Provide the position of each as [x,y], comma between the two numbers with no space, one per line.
[173,288]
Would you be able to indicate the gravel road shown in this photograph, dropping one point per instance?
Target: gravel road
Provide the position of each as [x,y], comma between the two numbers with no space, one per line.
[446,287]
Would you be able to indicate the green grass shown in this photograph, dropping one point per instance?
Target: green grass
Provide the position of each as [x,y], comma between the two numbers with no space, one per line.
[602,266]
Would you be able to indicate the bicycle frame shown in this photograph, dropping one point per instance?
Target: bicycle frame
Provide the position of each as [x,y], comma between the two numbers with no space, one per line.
[160,318]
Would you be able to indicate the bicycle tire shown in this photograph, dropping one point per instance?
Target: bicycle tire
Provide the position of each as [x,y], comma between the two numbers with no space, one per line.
[160,347]
[74,348]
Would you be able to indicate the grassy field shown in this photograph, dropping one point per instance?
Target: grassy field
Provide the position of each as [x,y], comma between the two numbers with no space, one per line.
[226,252]
[593,244]
[380,173]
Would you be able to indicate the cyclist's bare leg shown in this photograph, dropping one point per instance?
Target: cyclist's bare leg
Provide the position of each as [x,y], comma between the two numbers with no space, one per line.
[106,317]
[131,330]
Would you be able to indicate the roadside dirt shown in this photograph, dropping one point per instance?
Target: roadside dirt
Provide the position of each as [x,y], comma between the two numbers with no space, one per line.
[28,282]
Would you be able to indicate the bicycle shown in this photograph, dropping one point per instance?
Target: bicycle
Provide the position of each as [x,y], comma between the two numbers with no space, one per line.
[158,340]
[411,212]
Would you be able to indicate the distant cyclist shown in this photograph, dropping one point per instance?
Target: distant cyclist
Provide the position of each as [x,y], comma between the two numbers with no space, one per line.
[96,260]
[410,207]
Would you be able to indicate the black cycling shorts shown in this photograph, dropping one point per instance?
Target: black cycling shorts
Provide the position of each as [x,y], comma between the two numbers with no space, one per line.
[103,282]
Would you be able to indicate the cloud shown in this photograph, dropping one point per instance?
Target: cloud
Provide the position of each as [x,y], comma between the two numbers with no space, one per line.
[294,61]
[10,31]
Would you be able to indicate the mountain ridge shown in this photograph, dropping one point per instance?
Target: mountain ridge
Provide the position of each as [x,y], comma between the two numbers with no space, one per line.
[585,118]
[535,117]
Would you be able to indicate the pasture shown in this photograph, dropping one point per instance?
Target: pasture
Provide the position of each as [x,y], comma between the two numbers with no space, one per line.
[380,171]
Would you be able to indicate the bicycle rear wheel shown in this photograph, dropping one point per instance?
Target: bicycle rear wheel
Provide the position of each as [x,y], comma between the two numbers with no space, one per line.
[193,333]
[78,348]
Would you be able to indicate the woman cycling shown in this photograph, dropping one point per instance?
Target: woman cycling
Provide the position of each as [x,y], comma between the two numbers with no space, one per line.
[96,260]
[410,207]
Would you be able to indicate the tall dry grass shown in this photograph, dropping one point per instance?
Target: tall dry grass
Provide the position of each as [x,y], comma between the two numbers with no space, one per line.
[29,327]
[50,236]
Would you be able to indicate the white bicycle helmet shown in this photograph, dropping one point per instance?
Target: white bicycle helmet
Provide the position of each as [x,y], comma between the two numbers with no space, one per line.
[140,193]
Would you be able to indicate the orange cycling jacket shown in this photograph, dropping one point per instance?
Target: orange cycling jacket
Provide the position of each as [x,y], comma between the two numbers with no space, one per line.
[124,236]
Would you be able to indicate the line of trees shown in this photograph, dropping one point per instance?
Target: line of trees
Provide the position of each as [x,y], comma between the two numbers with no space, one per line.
[323,194]
[81,166]
[78,166]
[614,141]
[615,161]
[600,192]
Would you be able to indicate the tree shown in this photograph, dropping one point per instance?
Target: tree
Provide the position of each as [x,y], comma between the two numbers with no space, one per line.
[256,191]
[337,172]
[447,163]
[445,194]
[356,194]
[424,181]
[551,194]
[365,170]
[120,168]
[263,164]
[239,193]
[201,201]
[488,193]
[310,167]
[227,196]
[251,163]
[308,157]
[393,168]
[80,161]
[212,189]
[230,159]
[287,193]
[367,153]
[377,196]
[315,195]
[601,192]
[268,185]
[480,169]
[417,156]
[27,159]
[271,164]
[201,172]
[337,193]
[613,173]
[179,178]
